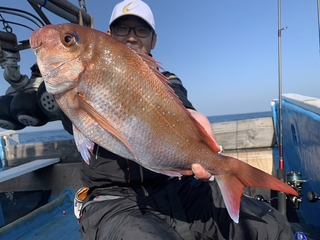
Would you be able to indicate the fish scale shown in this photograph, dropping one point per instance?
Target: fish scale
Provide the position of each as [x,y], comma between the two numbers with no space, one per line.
[138,104]
[116,97]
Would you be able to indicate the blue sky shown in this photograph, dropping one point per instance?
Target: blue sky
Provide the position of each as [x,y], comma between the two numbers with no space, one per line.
[225,52]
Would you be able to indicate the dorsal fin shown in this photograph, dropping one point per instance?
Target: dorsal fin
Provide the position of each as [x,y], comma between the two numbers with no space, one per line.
[152,63]
[208,140]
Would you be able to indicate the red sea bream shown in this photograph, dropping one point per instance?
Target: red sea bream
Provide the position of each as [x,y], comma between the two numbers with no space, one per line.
[116,97]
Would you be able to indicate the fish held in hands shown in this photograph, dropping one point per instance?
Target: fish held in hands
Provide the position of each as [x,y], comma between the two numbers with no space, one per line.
[116,97]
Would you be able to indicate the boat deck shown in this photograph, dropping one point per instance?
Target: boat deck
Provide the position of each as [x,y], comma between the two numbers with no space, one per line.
[54,220]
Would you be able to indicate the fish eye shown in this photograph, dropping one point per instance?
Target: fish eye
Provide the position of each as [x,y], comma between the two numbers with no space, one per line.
[68,40]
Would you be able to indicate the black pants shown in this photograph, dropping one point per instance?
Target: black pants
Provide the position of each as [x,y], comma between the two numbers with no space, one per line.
[136,217]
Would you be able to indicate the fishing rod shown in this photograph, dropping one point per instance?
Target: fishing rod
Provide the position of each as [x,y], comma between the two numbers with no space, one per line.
[24,12]
[281,172]
[20,15]
[19,24]
[319,23]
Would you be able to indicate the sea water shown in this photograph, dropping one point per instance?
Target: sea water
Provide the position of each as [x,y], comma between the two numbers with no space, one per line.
[55,135]
[44,136]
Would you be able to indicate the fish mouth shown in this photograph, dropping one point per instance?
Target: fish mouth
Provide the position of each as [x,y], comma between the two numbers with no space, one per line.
[35,39]
[35,48]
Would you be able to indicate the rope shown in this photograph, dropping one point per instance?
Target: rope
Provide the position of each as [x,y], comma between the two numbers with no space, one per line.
[43,5]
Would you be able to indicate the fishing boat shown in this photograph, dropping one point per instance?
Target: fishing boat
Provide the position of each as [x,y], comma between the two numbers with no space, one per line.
[46,174]
[38,181]
[36,194]
[301,136]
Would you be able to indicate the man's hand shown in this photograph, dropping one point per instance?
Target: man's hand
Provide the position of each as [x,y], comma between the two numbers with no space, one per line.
[200,172]
[197,169]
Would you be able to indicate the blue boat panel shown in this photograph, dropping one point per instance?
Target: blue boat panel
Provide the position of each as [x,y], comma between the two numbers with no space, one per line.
[2,222]
[301,153]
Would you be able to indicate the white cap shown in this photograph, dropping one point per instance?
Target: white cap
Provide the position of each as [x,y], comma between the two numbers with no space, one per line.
[137,8]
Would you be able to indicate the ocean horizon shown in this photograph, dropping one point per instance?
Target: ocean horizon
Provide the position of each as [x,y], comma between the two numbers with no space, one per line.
[238,117]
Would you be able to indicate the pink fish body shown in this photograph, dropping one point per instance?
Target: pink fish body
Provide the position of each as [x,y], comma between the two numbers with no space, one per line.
[117,98]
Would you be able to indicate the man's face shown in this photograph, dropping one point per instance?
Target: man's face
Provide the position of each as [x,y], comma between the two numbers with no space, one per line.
[144,43]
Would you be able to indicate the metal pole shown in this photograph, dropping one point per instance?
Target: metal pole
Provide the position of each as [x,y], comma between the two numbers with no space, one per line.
[281,173]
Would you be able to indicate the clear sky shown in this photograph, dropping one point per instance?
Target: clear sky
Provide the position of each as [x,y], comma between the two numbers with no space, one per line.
[225,52]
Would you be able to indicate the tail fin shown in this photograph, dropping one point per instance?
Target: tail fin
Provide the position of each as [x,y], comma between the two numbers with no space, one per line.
[242,174]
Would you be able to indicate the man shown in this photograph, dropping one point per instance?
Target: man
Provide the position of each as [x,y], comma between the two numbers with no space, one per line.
[122,200]
[128,35]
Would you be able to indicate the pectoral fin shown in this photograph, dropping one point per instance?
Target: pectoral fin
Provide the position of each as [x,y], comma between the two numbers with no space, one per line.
[103,122]
[84,145]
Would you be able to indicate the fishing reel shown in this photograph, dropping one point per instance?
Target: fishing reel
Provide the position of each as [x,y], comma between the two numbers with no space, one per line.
[9,58]
[26,102]
[29,106]
[294,179]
